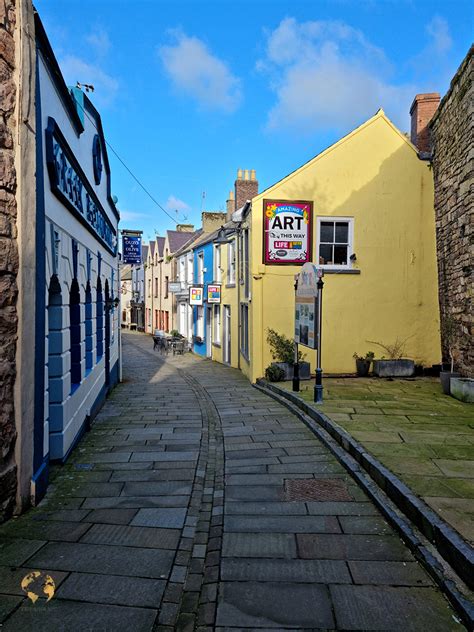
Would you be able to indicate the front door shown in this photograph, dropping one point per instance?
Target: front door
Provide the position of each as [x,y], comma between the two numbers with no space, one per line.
[227,334]
[209,332]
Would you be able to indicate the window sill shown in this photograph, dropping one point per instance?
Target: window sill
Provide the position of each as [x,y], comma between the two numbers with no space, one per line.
[340,270]
[230,285]
[216,344]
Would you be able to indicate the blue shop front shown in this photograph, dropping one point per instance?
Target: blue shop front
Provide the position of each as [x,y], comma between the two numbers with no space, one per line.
[77,328]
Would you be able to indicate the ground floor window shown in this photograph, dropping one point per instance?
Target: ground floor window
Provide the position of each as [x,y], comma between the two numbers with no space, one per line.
[217,324]
[244,330]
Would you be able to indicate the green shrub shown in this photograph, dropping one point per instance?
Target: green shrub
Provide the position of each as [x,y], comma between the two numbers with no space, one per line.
[282,348]
[274,373]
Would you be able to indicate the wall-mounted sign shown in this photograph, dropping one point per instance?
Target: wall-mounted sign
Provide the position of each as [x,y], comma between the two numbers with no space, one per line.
[196,295]
[174,287]
[214,293]
[70,185]
[307,306]
[287,232]
[131,249]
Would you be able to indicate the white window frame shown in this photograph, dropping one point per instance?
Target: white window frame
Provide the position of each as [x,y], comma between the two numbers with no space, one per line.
[231,252]
[216,318]
[200,321]
[217,264]
[330,218]
[200,268]
[190,268]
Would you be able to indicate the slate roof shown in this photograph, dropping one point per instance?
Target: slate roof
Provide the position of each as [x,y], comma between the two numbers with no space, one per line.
[152,249]
[178,239]
[161,244]
[190,243]
[144,252]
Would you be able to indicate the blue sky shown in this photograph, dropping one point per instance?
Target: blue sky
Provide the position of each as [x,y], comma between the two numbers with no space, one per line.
[191,91]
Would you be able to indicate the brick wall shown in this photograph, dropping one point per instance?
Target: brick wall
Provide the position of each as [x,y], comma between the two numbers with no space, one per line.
[9,264]
[452,133]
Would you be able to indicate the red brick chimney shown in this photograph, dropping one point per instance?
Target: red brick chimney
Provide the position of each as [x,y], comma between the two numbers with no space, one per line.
[246,186]
[422,111]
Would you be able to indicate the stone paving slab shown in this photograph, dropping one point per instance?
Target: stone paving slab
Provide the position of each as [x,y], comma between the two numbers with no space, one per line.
[112,589]
[283,570]
[72,616]
[267,604]
[178,499]
[104,559]
[358,608]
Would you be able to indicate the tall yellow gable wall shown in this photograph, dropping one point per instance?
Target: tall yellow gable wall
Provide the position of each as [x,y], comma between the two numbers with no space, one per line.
[373,175]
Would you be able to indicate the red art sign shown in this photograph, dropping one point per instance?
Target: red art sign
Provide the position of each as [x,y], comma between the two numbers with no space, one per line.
[287,232]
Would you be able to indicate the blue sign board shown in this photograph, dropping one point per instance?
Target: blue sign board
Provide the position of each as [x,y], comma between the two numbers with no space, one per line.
[131,249]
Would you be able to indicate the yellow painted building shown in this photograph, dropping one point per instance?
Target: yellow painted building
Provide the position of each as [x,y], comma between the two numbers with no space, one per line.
[225,335]
[374,188]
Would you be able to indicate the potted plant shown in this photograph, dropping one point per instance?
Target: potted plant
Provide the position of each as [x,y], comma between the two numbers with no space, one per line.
[448,333]
[395,365]
[283,352]
[363,363]
[274,373]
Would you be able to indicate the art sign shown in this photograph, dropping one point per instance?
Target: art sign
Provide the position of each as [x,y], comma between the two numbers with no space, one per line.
[131,248]
[307,307]
[214,293]
[70,185]
[196,295]
[287,230]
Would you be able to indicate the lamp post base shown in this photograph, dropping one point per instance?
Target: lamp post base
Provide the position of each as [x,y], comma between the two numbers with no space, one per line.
[318,387]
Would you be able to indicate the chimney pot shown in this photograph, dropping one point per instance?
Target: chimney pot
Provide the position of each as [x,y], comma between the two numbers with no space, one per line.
[245,189]
[239,174]
[422,111]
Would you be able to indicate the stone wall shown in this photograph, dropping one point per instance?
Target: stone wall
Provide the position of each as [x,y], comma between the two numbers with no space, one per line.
[452,133]
[9,262]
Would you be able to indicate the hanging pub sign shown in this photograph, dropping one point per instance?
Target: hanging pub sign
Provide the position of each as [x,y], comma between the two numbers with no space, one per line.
[132,247]
[196,295]
[306,306]
[214,293]
[287,232]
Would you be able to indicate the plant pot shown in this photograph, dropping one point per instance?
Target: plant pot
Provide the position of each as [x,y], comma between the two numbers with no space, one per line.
[362,367]
[305,373]
[394,368]
[445,378]
[462,388]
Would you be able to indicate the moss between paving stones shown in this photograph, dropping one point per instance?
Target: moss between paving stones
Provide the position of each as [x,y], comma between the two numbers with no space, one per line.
[425,437]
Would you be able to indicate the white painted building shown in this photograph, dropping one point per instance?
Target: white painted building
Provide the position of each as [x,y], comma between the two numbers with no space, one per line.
[77,277]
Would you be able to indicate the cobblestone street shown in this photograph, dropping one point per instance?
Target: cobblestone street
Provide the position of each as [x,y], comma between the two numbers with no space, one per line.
[197,502]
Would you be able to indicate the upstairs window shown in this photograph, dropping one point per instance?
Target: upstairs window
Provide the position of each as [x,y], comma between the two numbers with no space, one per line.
[335,241]
[200,268]
[231,263]
[217,265]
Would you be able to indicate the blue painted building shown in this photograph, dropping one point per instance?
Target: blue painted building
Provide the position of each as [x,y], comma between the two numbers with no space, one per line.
[203,275]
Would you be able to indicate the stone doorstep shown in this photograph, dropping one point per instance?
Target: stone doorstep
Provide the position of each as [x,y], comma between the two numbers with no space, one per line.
[452,547]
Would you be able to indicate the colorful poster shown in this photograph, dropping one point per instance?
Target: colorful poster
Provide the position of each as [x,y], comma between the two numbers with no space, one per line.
[287,232]
[195,295]
[214,293]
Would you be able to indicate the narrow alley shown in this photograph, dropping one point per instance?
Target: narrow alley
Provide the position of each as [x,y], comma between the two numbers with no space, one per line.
[196,502]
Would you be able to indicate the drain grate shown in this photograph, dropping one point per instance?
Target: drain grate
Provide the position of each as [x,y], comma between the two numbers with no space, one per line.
[320,489]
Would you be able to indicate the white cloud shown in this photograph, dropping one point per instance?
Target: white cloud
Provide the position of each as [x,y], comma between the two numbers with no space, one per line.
[438,31]
[327,75]
[175,204]
[196,72]
[100,41]
[128,216]
[105,87]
